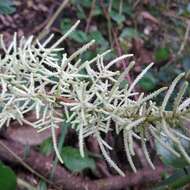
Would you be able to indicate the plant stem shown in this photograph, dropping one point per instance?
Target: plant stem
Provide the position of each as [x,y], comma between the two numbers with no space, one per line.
[46,30]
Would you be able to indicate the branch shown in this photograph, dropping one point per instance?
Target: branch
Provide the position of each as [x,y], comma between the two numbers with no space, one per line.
[186,36]
[64,179]
[131,179]
[46,30]
[93,5]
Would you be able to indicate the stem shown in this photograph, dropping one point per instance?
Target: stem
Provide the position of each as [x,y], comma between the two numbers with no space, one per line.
[69,181]
[46,30]
[90,15]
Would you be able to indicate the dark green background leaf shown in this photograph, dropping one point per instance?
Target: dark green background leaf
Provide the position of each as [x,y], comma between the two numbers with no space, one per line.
[46,147]
[117,17]
[74,162]
[7,178]
[42,185]
[148,82]
[162,54]
[129,33]
[186,63]
[6,7]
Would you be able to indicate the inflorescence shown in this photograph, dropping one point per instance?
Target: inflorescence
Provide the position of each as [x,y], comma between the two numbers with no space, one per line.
[34,79]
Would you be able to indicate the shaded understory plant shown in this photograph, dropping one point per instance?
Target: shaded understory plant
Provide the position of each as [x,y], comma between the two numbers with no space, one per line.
[91,97]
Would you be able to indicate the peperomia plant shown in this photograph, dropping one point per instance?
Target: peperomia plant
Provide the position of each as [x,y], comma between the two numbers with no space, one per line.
[91,97]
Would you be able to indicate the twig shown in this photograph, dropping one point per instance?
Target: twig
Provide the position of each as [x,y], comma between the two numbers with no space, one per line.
[119,52]
[124,64]
[110,6]
[132,179]
[22,162]
[109,24]
[121,7]
[118,48]
[43,24]
[90,15]
[136,3]
[68,181]
[46,30]
[185,39]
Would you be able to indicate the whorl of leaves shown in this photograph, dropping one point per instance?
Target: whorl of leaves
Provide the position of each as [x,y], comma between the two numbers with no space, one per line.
[34,79]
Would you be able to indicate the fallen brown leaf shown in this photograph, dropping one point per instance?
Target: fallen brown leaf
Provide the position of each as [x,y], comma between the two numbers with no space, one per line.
[26,134]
